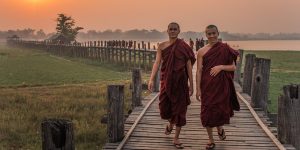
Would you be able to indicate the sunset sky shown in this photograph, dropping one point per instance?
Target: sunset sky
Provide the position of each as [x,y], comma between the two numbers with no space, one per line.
[244,16]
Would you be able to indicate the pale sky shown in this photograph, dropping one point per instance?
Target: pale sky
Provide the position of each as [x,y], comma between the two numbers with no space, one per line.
[244,16]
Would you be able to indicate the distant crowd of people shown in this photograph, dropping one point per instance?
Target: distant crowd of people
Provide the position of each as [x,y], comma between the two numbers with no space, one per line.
[199,43]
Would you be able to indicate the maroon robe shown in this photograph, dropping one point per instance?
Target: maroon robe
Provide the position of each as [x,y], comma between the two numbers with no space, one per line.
[217,92]
[174,93]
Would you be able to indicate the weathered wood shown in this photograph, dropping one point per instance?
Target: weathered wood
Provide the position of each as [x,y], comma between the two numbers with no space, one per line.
[247,75]
[136,122]
[139,55]
[237,73]
[149,46]
[137,88]
[260,83]
[263,126]
[113,51]
[289,115]
[144,58]
[57,134]
[157,81]
[115,114]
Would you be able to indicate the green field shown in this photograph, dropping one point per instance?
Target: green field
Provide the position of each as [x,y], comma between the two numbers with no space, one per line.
[285,70]
[35,85]
[23,67]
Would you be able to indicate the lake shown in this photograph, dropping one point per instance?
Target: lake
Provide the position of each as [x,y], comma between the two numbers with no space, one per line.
[293,45]
[276,45]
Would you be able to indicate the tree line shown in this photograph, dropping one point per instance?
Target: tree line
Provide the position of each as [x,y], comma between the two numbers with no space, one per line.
[143,34]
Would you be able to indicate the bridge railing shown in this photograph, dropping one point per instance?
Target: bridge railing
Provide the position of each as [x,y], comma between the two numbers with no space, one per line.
[255,83]
[130,54]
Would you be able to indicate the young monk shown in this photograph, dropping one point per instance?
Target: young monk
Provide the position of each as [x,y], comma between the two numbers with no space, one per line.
[214,79]
[176,59]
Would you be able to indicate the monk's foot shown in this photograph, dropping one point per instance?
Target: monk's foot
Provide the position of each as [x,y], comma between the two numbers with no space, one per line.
[210,146]
[222,135]
[168,129]
[178,144]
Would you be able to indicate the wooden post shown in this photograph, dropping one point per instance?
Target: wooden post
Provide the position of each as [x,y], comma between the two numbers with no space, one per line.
[129,57]
[237,73]
[139,54]
[134,54]
[144,58]
[149,46]
[115,114]
[247,75]
[142,45]
[151,61]
[288,115]
[57,134]
[260,83]
[122,55]
[157,81]
[137,88]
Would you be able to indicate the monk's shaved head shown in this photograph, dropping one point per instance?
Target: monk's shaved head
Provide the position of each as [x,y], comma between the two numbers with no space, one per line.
[175,23]
[212,26]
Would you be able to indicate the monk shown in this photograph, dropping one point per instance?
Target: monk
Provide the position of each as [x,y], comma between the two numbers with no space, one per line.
[215,88]
[176,81]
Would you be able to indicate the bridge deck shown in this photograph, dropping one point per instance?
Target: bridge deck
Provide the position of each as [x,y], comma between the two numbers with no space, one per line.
[243,132]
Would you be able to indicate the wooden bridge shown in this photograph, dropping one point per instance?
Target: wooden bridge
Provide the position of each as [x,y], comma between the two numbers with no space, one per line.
[248,129]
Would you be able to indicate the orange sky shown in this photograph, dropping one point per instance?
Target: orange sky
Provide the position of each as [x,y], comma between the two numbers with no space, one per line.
[245,16]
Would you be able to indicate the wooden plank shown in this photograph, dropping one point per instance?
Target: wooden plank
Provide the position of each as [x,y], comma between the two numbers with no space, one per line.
[267,131]
[135,123]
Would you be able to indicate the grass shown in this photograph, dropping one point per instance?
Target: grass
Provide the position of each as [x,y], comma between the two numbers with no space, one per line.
[23,110]
[35,85]
[23,67]
[285,70]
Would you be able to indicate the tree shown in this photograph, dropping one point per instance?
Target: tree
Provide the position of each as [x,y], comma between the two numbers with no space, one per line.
[40,34]
[66,27]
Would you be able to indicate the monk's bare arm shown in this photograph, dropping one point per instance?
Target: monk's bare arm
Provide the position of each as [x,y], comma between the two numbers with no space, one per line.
[231,67]
[217,69]
[190,74]
[155,67]
[199,74]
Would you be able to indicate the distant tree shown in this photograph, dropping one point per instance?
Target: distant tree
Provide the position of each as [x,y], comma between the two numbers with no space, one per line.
[66,27]
[40,34]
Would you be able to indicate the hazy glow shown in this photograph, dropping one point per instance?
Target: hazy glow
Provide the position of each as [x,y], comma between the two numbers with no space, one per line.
[245,16]
[35,3]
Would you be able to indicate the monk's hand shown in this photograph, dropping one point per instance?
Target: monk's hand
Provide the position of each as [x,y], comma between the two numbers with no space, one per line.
[216,70]
[198,95]
[191,90]
[150,86]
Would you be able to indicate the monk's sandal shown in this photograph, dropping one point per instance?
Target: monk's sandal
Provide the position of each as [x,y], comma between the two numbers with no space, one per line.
[222,136]
[168,131]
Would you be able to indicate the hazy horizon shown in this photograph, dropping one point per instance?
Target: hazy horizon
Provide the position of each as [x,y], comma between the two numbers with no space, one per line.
[234,16]
[102,30]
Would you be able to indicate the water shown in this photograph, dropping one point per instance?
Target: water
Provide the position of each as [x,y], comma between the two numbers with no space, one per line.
[292,45]
[268,45]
